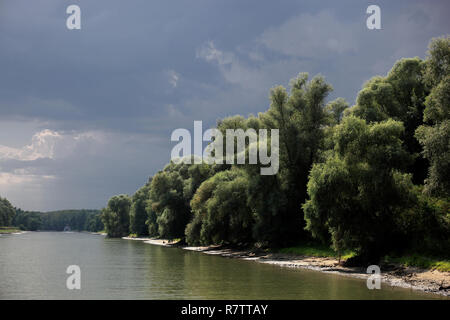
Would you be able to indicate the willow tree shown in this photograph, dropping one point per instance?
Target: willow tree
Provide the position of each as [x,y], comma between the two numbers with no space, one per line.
[356,194]
[138,211]
[171,192]
[7,212]
[221,212]
[116,216]
[300,117]
[400,96]
[434,136]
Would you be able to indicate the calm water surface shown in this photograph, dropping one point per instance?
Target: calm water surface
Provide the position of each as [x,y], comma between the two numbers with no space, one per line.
[33,266]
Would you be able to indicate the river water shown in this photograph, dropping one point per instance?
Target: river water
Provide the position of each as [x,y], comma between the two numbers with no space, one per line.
[33,266]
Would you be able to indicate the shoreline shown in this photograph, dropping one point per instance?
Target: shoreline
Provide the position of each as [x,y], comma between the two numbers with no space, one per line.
[14,232]
[426,280]
[97,233]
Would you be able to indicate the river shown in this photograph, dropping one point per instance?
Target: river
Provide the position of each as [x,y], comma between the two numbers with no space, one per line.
[33,266]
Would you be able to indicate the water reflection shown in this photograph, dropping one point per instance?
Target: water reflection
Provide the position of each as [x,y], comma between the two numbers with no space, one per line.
[33,265]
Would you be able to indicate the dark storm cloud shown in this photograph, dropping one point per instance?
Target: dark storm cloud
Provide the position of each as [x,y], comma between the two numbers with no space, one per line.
[139,69]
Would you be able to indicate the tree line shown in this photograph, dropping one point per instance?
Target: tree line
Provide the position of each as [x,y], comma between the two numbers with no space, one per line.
[77,220]
[372,178]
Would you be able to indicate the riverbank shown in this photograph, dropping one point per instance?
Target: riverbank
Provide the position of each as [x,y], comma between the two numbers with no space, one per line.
[10,230]
[97,233]
[393,274]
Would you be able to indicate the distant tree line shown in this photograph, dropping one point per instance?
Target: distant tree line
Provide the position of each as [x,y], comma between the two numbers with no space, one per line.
[373,178]
[77,220]
[27,220]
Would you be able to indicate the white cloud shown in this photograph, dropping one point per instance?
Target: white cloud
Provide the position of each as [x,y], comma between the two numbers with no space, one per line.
[20,176]
[32,167]
[257,76]
[48,144]
[42,146]
[60,169]
[173,78]
[232,69]
[210,53]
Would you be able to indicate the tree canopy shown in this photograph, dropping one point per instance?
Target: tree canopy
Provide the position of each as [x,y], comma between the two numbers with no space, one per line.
[371,178]
[434,135]
[7,212]
[116,216]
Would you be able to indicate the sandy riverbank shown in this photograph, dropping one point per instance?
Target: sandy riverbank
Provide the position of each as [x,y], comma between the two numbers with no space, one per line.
[433,281]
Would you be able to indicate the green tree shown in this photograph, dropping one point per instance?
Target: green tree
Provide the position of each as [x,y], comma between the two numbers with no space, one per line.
[434,136]
[138,212]
[116,216]
[301,118]
[357,193]
[7,212]
[26,220]
[79,220]
[171,192]
[152,224]
[94,223]
[168,202]
[336,110]
[400,96]
[221,213]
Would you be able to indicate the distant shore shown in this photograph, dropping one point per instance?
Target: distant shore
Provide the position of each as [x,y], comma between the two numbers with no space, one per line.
[11,230]
[396,275]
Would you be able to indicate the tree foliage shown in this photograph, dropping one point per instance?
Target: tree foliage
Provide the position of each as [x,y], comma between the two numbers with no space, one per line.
[221,213]
[434,136]
[116,216]
[400,96]
[138,211]
[300,117]
[26,220]
[77,220]
[7,212]
[170,194]
[357,172]
[357,192]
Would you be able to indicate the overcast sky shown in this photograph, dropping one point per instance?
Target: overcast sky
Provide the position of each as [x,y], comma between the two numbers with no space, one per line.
[87,114]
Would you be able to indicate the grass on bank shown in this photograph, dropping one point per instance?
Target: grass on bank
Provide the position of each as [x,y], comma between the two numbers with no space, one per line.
[420,261]
[411,260]
[6,230]
[314,250]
